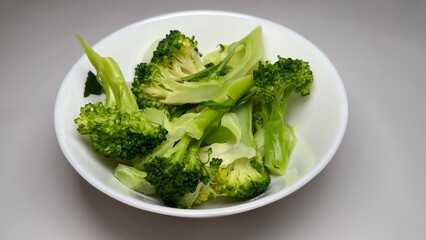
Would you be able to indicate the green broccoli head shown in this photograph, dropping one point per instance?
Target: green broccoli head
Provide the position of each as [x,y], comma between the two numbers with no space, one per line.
[172,180]
[118,134]
[283,77]
[242,179]
[176,172]
[178,54]
[204,190]
[145,75]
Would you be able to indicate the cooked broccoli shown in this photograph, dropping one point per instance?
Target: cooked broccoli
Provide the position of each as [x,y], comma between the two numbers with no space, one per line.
[242,179]
[204,190]
[231,140]
[276,82]
[191,129]
[161,82]
[117,127]
[239,57]
[134,179]
[178,55]
[242,174]
[153,86]
[175,168]
[178,171]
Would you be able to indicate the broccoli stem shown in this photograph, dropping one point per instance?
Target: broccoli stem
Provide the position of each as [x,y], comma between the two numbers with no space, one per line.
[223,101]
[244,114]
[245,53]
[109,74]
[178,152]
[249,51]
[233,90]
[197,128]
[201,74]
[280,140]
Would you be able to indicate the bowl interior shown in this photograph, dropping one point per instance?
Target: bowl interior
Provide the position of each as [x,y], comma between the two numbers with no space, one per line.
[320,119]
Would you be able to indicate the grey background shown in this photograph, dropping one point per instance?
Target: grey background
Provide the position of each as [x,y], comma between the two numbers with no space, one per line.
[374,187]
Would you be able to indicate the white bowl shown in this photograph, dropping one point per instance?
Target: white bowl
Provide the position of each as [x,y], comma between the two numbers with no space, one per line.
[320,119]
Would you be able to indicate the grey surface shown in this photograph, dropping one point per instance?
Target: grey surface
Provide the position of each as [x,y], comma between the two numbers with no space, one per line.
[374,188]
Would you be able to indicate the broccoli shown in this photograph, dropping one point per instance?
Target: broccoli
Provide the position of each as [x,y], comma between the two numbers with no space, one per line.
[242,179]
[175,57]
[238,58]
[178,55]
[230,140]
[242,174]
[275,83]
[175,167]
[153,86]
[117,127]
[204,190]
[133,179]
[192,129]
[160,82]
[177,171]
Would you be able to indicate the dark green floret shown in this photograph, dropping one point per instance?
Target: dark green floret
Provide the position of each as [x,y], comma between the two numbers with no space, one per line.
[117,127]
[144,73]
[119,134]
[176,172]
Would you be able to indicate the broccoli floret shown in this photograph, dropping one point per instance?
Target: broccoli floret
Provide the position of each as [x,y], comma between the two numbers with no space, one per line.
[275,83]
[143,74]
[160,81]
[119,134]
[242,179]
[178,54]
[203,191]
[175,168]
[176,172]
[175,57]
[117,127]
[242,174]
[154,86]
